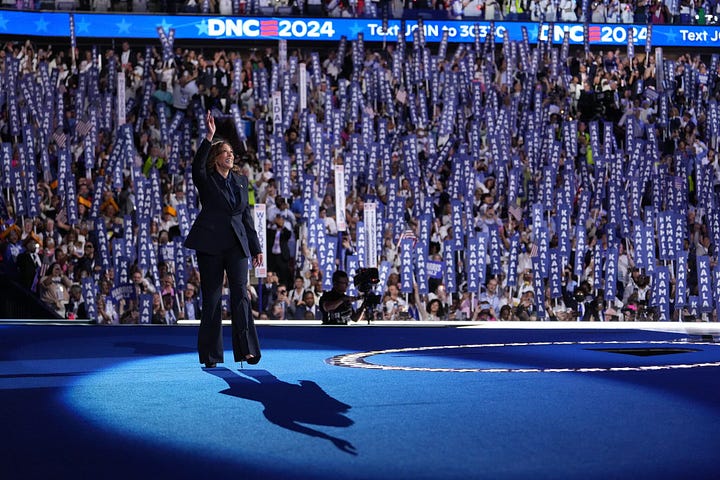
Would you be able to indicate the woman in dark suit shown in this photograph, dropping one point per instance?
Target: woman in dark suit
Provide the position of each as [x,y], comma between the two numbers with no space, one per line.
[224,238]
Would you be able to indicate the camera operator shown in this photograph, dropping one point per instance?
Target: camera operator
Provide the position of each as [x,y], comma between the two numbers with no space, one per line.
[336,305]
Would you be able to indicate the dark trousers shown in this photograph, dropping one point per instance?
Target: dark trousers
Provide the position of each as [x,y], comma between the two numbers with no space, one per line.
[244,335]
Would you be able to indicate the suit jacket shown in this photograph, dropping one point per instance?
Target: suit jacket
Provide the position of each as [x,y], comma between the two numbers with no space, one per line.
[81,309]
[197,306]
[285,236]
[219,224]
[300,313]
[27,269]
[86,264]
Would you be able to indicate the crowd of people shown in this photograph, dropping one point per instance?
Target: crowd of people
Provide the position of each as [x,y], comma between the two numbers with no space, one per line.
[684,12]
[497,147]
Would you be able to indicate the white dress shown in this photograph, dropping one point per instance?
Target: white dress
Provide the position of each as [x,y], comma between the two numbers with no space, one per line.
[225,7]
[567,11]
[550,9]
[473,8]
[598,13]
[626,13]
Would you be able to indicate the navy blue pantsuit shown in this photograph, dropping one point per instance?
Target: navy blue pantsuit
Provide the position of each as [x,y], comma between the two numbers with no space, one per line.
[224,238]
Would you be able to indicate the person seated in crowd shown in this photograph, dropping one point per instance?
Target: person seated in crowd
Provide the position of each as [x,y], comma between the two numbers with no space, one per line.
[267,292]
[526,310]
[555,308]
[279,235]
[191,305]
[394,306]
[567,11]
[491,296]
[75,308]
[141,284]
[277,311]
[107,313]
[29,263]
[170,308]
[659,13]
[54,290]
[434,311]
[439,292]
[307,309]
[13,246]
[295,295]
[507,314]
[88,264]
[483,313]
[158,310]
[280,299]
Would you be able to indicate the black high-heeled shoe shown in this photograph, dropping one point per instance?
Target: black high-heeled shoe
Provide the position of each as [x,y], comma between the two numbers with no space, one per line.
[253,360]
[210,364]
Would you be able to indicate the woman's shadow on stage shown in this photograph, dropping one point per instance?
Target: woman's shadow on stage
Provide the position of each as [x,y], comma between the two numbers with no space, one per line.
[288,405]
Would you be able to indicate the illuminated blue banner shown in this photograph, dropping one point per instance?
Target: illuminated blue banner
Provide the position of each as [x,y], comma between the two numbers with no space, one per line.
[193,27]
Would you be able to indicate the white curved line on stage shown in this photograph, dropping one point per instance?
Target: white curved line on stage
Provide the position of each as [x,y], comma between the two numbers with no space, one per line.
[357,360]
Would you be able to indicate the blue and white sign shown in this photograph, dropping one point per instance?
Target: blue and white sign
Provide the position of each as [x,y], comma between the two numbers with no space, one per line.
[203,27]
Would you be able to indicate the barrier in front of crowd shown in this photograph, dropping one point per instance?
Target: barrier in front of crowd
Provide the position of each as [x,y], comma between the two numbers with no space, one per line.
[92,25]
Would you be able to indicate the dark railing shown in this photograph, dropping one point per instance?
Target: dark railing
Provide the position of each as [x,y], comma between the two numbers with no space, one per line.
[16,302]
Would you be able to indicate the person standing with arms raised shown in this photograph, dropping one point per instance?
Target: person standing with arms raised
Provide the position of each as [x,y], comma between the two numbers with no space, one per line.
[224,237]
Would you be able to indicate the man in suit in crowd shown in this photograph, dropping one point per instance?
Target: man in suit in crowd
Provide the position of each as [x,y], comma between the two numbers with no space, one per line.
[191,304]
[278,242]
[29,262]
[307,310]
[87,263]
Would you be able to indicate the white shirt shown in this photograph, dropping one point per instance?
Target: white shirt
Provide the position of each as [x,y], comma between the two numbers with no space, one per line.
[110,310]
[330,225]
[394,305]
[190,312]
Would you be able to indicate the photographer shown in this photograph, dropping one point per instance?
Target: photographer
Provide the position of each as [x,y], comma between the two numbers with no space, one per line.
[638,284]
[336,305]
[395,307]
[526,309]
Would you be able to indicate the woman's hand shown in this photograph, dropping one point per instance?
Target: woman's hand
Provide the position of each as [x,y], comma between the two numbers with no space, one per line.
[257,260]
[210,124]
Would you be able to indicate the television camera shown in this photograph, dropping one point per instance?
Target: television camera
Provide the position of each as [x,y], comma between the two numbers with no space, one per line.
[365,279]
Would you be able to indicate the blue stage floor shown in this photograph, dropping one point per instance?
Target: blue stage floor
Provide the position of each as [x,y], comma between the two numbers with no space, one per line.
[361,402]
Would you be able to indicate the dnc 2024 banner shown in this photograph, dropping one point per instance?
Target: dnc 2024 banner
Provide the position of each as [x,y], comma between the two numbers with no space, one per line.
[194,27]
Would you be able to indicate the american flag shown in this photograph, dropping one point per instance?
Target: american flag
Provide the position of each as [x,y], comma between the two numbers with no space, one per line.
[82,128]
[60,139]
[516,212]
[61,215]
[408,234]
[534,250]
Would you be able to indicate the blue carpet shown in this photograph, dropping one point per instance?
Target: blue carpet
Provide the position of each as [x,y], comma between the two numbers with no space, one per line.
[86,402]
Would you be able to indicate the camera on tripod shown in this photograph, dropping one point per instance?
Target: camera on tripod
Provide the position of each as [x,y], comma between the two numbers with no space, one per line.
[365,279]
